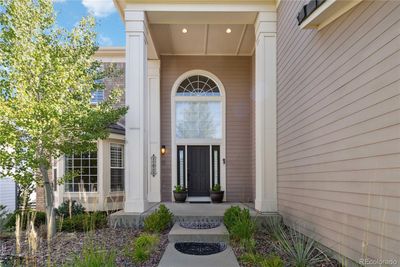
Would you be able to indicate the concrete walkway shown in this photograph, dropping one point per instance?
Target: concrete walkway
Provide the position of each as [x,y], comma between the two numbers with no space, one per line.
[174,258]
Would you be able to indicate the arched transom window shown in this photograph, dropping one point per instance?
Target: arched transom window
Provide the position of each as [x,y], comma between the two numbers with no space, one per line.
[198,85]
[198,103]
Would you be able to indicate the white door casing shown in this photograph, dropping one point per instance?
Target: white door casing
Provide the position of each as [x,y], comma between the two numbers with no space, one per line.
[189,142]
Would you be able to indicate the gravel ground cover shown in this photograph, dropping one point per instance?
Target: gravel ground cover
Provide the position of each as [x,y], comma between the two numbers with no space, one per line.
[265,245]
[65,246]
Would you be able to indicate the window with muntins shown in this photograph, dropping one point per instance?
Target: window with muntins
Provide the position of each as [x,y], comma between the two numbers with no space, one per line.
[198,109]
[117,167]
[84,167]
[198,85]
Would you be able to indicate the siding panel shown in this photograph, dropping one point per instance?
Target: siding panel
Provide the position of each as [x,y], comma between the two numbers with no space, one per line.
[339,128]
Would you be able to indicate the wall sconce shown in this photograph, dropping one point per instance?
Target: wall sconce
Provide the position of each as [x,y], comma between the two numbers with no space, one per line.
[163,150]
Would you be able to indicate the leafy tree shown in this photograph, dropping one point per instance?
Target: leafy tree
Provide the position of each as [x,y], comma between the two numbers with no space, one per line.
[47,76]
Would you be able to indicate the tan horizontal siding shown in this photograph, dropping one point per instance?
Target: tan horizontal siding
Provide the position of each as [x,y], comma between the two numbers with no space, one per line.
[339,128]
[235,74]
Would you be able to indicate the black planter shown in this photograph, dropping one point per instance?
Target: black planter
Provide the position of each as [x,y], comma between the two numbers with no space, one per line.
[217,197]
[180,197]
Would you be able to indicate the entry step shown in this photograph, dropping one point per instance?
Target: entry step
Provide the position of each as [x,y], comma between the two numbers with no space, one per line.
[174,258]
[212,235]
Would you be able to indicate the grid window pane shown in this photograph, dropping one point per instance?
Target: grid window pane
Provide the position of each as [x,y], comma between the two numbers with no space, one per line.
[117,167]
[85,168]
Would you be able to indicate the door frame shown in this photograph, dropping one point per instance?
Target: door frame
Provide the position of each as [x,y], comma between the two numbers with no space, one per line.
[198,142]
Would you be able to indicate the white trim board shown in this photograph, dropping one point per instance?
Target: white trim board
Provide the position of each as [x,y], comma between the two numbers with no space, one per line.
[188,142]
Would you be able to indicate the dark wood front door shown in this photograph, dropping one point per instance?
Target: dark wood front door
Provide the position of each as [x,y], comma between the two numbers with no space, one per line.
[198,170]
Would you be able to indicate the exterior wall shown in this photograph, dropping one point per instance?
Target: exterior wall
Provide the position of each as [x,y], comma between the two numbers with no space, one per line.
[8,194]
[235,74]
[339,128]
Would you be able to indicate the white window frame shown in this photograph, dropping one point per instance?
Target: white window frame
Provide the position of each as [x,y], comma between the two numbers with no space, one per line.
[119,168]
[73,183]
[192,142]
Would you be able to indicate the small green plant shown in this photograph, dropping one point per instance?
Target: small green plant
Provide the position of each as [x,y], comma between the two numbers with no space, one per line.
[94,256]
[159,220]
[216,188]
[230,216]
[255,259]
[244,228]
[274,227]
[300,249]
[143,246]
[179,189]
[239,223]
[70,208]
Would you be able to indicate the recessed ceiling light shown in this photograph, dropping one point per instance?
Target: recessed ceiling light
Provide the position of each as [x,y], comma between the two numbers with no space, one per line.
[184,30]
[228,30]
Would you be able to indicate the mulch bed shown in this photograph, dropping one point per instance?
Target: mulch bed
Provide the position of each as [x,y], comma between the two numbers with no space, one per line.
[265,245]
[65,246]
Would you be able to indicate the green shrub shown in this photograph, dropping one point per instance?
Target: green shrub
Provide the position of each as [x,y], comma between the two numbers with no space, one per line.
[83,222]
[258,260]
[40,218]
[64,209]
[94,257]
[143,246]
[159,220]
[230,216]
[239,223]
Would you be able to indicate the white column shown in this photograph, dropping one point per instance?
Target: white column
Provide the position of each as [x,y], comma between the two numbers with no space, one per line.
[136,148]
[154,182]
[265,101]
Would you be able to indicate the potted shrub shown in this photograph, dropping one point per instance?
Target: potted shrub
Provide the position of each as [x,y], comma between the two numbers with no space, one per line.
[216,194]
[180,194]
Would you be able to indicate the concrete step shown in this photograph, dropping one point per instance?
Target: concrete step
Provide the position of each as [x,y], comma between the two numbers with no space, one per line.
[174,258]
[213,235]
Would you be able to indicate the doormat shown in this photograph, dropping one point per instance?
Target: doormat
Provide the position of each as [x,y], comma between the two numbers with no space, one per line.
[200,249]
[199,225]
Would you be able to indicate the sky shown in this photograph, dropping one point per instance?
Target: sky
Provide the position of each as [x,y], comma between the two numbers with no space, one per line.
[110,28]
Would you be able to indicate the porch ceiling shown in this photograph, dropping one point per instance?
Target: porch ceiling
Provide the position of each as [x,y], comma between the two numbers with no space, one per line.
[206,32]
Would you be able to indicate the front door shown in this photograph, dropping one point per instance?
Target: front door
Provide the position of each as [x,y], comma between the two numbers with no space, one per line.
[198,170]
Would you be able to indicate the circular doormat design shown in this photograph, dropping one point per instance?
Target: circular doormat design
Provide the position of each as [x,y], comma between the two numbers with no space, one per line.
[200,249]
[199,225]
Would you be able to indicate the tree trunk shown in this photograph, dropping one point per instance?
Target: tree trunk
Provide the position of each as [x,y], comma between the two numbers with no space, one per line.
[49,203]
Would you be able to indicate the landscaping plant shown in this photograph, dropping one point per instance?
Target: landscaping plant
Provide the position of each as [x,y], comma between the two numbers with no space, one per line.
[300,249]
[179,189]
[255,259]
[48,75]
[239,224]
[230,216]
[94,256]
[3,217]
[159,220]
[38,217]
[84,222]
[143,246]
[216,188]
[70,208]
